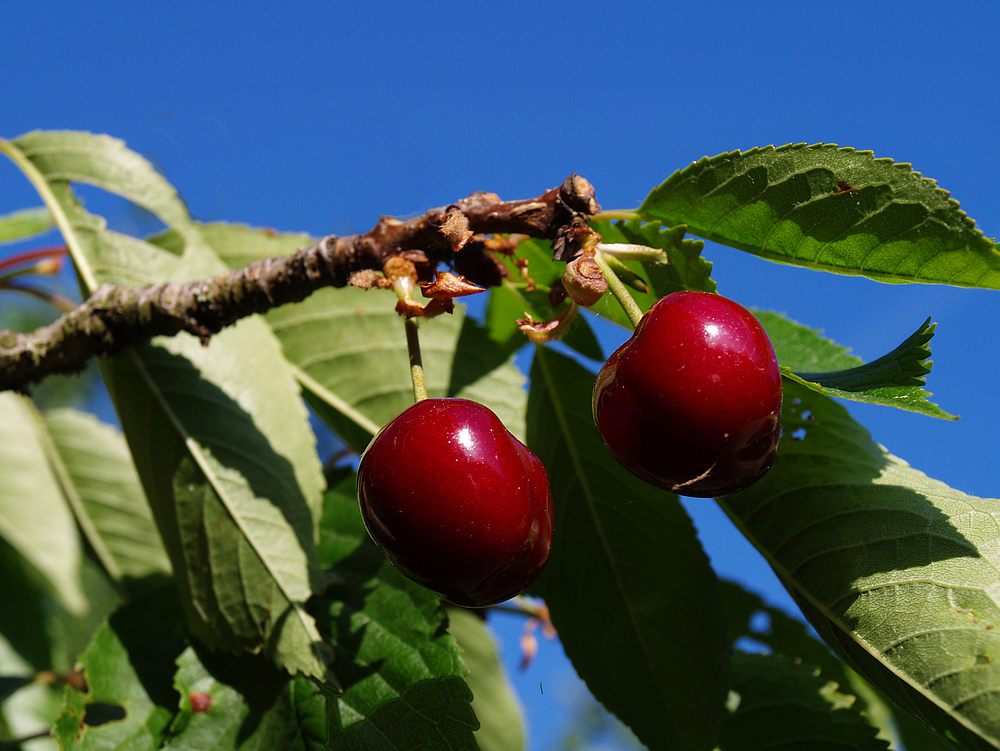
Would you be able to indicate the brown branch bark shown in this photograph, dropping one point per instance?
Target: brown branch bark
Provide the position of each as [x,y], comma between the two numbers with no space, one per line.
[117,317]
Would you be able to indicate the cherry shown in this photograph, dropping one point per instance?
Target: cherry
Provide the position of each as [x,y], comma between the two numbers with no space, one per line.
[692,401]
[456,502]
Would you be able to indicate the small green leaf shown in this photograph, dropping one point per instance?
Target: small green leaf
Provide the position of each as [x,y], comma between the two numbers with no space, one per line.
[650,643]
[832,209]
[494,701]
[35,519]
[782,703]
[897,572]
[389,632]
[685,268]
[893,380]
[19,225]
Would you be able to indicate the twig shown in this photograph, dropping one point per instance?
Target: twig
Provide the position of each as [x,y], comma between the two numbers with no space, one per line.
[117,317]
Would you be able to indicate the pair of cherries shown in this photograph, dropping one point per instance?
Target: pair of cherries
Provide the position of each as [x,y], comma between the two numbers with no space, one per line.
[690,403]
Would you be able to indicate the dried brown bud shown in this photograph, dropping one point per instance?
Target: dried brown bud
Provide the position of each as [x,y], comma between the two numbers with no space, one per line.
[368,279]
[414,309]
[584,281]
[448,285]
[456,229]
[542,332]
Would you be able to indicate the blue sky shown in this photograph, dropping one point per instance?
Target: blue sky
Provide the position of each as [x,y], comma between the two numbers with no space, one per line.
[319,117]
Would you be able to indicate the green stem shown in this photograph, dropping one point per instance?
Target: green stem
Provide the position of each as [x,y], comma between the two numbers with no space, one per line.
[610,216]
[403,287]
[416,363]
[619,290]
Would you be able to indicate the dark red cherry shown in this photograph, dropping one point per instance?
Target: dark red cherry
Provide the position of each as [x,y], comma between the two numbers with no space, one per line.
[692,402]
[456,502]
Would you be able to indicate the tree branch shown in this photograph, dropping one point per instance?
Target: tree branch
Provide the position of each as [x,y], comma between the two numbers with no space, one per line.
[116,317]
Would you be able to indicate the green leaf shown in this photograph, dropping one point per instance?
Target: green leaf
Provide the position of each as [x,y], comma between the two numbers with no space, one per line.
[129,666]
[494,701]
[832,209]
[431,715]
[897,572]
[19,225]
[394,657]
[685,269]
[34,517]
[782,703]
[893,380]
[225,495]
[628,585]
[348,349]
[219,435]
[106,494]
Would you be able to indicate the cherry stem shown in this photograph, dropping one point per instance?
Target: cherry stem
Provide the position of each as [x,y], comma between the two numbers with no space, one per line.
[416,363]
[623,215]
[403,287]
[619,290]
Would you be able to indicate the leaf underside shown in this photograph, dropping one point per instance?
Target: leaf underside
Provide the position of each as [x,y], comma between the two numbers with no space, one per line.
[896,571]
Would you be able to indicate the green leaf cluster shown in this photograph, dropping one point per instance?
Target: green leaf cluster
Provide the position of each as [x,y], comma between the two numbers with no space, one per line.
[214,587]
